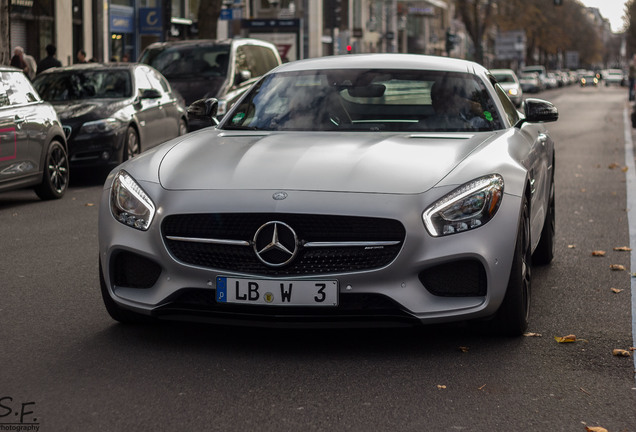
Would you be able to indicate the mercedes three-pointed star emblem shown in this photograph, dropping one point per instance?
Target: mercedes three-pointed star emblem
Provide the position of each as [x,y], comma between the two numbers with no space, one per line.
[275,244]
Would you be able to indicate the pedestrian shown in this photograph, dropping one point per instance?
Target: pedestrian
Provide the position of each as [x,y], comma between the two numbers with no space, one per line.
[125,58]
[49,61]
[632,78]
[81,56]
[18,61]
[33,66]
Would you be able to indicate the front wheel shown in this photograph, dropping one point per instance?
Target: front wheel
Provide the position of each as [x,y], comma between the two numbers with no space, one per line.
[512,317]
[132,147]
[55,175]
[544,253]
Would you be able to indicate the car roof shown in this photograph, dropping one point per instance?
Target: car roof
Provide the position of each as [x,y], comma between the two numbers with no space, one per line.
[9,69]
[384,61]
[208,42]
[96,66]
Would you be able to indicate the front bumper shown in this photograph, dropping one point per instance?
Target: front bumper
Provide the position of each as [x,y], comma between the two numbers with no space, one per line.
[409,289]
[97,150]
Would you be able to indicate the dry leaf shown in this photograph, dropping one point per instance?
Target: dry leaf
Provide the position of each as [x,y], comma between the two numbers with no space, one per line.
[616,290]
[441,387]
[571,246]
[482,387]
[595,429]
[623,249]
[617,267]
[89,204]
[625,169]
[565,339]
[598,253]
[621,353]
[530,334]
[613,165]
[463,349]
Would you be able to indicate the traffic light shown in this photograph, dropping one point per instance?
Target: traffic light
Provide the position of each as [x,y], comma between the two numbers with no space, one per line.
[349,49]
[450,41]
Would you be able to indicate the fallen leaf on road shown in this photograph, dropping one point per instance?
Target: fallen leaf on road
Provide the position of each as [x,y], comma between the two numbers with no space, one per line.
[565,339]
[616,290]
[441,387]
[463,349]
[625,169]
[623,249]
[89,204]
[571,246]
[598,253]
[530,334]
[595,429]
[621,353]
[617,267]
[613,165]
[482,387]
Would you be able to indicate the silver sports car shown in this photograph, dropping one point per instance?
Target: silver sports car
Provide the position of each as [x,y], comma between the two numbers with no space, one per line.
[370,190]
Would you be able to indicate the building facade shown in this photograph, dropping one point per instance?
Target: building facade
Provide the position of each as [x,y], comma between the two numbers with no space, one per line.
[112,29]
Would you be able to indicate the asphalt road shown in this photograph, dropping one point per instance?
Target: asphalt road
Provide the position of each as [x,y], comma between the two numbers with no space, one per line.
[66,366]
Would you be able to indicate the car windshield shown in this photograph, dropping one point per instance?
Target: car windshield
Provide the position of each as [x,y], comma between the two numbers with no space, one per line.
[188,61]
[88,84]
[367,100]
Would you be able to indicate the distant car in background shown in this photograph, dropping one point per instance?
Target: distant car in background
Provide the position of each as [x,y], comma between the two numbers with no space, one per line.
[587,79]
[530,82]
[508,81]
[540,71]
[613,77]
[112,112]
[32,142]
[206,68]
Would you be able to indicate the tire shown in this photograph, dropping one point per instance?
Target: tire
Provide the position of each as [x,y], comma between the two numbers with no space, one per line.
[116,312]
[183,127]
[512,317]
[544,253]
[132,147]
[55,175]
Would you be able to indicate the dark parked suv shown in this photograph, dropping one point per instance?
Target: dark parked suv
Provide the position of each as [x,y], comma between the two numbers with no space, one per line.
[204,68]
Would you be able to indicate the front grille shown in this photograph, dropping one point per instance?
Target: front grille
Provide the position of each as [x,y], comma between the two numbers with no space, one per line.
[466,278]
[309,228]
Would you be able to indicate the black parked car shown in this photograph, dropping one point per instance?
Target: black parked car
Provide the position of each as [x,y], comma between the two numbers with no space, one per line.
[33,149]
[112,112]
[221,69]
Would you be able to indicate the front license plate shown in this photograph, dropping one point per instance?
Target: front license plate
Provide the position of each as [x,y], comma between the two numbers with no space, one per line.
[275,292]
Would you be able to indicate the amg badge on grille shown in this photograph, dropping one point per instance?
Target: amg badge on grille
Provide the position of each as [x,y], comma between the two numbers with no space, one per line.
[278,196]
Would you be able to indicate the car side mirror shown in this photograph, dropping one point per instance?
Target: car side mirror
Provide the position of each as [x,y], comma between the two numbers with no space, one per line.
[243,76]
[540,111]
[204,110]
[149,94]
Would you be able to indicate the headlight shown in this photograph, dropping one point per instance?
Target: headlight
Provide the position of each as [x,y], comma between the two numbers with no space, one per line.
[129,203]
[467,207]
[100,126]
[513,92]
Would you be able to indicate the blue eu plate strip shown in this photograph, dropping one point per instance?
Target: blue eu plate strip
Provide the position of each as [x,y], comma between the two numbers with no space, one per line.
[221,289]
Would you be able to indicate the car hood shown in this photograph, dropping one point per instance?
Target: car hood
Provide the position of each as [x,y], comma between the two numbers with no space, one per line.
[318,161]
[87,110]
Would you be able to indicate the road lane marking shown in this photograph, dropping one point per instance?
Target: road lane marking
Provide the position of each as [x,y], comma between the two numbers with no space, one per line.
[630,179]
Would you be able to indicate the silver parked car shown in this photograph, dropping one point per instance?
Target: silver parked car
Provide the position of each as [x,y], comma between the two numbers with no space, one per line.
[375,189]
[508,80]
[33,151]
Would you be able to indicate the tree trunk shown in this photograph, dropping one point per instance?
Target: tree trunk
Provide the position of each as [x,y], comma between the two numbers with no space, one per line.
[209,12]
[5,42]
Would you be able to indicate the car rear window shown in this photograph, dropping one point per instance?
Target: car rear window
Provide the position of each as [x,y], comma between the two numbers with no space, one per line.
[84,84]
